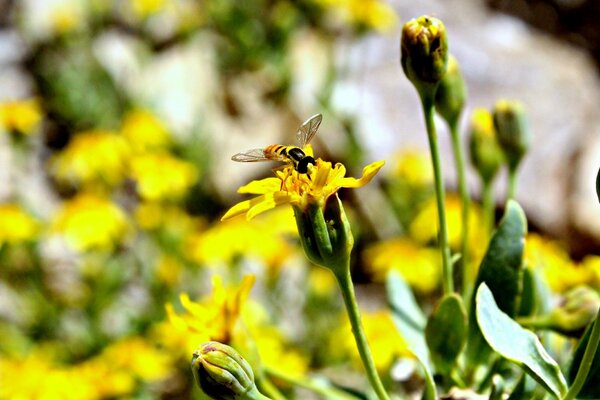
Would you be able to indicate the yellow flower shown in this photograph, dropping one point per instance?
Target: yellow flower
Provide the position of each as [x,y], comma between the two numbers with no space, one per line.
[146,8]
[385,341]
[291,187]
[16,225]
[91,222]
[224,242]
[153,216]
[21,116]
[559,271]
[216,318]
[162,177]
[276,354]
[91,157]
[414,168]
[420,266]
[144,132]
[363,14]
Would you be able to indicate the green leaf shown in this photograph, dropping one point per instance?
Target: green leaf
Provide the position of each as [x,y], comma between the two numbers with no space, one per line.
[590,388]
[446,332]
[410,322]
[501,271]
[529,296]
[516,344]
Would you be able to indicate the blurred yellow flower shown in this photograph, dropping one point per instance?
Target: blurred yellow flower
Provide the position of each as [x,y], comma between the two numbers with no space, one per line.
[385,341]
[21,116]
[413,167]
[152,216]
[363,14]
[225,242]
[92,157]
[217,317]
[559,271]
[592,263]
[321,282]
[276,354]
[146,8]
[144,132]
[91,222]
[168,270]
[162,176]
[292,187]
[16,225]
[420,266]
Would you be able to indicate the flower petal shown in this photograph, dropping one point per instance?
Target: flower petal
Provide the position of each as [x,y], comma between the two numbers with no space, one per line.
[238,209]
[267,185]
[368,173]
[269,201]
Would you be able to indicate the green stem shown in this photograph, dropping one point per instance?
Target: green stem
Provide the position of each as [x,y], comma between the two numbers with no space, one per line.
[586,361]
[267,386]
[345,281]
[428,110]
[461,171]
[487,198]
[512,183]
[306,383]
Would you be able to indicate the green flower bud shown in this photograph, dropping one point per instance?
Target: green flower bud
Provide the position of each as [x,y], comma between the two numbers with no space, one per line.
[451,93]
[325,233]
[577,311]
[424,52]
[486,154]
[222,373]
[512,130]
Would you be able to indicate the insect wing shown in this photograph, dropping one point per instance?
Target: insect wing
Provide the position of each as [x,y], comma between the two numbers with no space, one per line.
[308,129]
[253,155]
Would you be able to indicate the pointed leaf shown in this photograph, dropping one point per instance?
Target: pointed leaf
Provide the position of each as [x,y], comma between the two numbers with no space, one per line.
[516,344]
[590,388]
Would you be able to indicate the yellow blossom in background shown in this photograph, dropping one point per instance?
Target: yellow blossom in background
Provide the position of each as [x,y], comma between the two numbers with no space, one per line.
[424,226]
[162,176]
[296,189]
[146,8]
[21,116]
[152,216]
[168,270]
[557,268]
[321,282]
[592,264]
[413,167]
[66,18]
[91,222]
[369,14]
[144,132]
[92,157]
[16,225]
[225,242]
[217,317]
[276,354]
[385,341]
[420,266]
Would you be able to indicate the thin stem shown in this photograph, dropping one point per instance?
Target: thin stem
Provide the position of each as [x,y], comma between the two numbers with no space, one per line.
[428,111]
[512,183]
[306,383]
[461,171]
[345,282]
[586,361]
[267,386]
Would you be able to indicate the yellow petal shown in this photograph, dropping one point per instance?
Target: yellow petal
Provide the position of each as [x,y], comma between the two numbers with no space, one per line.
[240,208]
[267,185]
[368,173]
[269,202]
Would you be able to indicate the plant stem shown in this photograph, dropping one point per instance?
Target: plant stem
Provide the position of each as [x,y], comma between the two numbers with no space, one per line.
[512,183]
[586,361]
[461,172]
[304,382]
[345,282]
[428,111]
[267,386]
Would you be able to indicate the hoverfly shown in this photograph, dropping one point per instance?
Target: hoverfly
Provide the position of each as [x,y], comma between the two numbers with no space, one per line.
[293,155]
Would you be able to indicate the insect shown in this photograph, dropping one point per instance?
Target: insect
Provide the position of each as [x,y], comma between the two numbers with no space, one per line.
[293,155]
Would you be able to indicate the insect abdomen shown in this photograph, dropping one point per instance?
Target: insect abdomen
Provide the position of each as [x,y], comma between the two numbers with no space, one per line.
[274,151]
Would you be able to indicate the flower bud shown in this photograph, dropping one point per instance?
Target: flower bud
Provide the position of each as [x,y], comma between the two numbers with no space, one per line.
[451,93]
[486,155]
[512,130]
[325,233]
[222,373]
[424,51]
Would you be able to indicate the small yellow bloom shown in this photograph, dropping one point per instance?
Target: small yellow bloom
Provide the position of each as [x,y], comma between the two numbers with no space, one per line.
[90,222]
[22,116]
[162,176]
[92,157]
[384,339]
[144,132]
[16,225]
[414,168]
[278,355]
[420,266]
[146,8]
[291,187]
[362,14]
[152,216]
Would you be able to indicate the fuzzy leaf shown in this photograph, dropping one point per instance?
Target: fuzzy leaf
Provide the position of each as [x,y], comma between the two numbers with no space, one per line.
[516,344]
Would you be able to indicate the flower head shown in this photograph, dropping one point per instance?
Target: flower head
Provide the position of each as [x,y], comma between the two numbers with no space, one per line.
[20,116]
[16,225]
[301,190]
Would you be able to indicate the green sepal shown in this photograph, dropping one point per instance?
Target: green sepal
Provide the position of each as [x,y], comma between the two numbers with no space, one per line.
[446,332]
[516,344]
[590,388]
